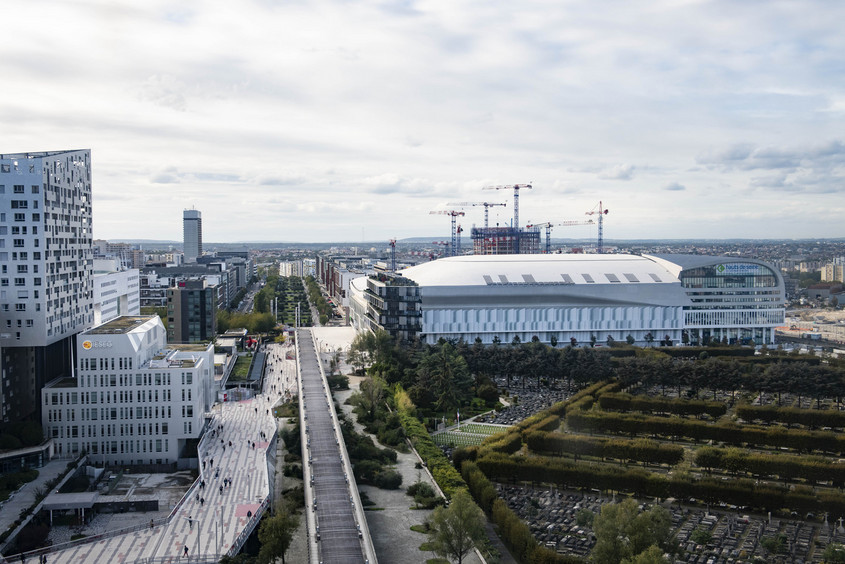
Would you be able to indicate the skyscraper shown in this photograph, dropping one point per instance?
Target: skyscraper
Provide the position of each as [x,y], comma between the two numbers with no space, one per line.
[46,262]
[192,234]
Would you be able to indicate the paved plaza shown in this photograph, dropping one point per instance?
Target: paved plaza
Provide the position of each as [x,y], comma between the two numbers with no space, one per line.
[224,504]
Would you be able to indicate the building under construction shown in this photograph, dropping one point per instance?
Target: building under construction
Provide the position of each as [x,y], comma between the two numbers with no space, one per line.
[505,241]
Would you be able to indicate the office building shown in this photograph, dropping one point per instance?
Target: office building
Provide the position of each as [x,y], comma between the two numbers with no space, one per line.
[46,294]
[191,311]
[135,399]
[192,234]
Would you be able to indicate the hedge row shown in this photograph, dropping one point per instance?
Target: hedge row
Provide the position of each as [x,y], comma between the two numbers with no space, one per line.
[741,492]
[646,404]
[508,442]
[513,532]
[695,352]
[792,415]
[800,440]
[784,466]
[643,450]
[443,472]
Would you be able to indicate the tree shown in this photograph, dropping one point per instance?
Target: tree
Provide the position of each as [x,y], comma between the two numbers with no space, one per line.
[622,533]
[444,373]
[275,535]
[652,555]
[834,553]
[630,339]
[455,530]
[649,338]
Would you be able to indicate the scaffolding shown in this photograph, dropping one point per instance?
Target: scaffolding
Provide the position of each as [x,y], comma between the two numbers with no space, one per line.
[505,241]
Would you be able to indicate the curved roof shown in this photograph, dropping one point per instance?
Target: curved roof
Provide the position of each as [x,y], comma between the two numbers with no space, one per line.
[481,270]
[677,263]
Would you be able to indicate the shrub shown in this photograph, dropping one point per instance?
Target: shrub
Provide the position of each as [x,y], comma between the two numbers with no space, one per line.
[388,480]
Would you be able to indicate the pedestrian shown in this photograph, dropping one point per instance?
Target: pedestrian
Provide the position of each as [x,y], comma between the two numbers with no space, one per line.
[202,501]
[186,551]
[190,522]
[221,490]
[230,443]
[152,526]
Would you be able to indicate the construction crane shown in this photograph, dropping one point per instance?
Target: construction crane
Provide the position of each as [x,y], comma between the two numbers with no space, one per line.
[516,188]
[443,244]
[549,225]
[460,230]
[454,215]
[601,211]
[487,206]
[393,255]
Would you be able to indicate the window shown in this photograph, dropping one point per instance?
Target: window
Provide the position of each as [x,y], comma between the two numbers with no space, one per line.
[20,307]
[19,204]
[4,281]
[29,323]
[36,281]
[18,187]
[23,268]
[20,217]
[34,187]
[36,217]
[19,242]
[20,281]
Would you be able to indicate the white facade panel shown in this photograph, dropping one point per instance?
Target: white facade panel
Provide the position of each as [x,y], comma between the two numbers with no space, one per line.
[133,400]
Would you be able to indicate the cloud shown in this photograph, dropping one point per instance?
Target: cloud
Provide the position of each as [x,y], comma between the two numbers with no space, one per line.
[165,91]
[748,157]
[618,172]
[675,187]
[165,178]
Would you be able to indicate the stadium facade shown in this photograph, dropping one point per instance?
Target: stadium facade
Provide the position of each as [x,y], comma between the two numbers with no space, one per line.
[589,298]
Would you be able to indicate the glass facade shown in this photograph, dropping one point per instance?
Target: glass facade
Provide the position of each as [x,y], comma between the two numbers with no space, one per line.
[733,301]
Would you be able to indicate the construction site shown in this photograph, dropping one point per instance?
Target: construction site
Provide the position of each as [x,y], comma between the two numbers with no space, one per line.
[511,239]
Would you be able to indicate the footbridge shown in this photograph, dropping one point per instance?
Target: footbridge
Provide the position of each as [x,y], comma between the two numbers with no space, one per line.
[337,526]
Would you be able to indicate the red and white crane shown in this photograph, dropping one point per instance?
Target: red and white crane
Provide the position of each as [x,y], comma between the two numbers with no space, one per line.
[454,214]
[548,225]
[601,211]
[516,188]
[487,206]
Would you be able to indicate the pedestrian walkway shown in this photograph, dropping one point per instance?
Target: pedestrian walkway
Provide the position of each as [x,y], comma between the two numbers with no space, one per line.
[335,516]
[223,506]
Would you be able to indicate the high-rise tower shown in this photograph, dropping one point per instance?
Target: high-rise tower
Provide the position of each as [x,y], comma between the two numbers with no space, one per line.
[46,262]
[192,234]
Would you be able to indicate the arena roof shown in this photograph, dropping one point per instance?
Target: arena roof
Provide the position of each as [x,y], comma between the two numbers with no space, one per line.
[569,269]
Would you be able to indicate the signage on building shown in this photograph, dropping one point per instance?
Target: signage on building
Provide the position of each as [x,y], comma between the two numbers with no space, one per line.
[737,269]
[88,345]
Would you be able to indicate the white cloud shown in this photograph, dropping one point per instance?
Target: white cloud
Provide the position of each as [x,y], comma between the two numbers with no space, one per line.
[351,114]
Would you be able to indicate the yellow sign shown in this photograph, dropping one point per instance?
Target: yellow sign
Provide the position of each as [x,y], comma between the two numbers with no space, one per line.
[87,345]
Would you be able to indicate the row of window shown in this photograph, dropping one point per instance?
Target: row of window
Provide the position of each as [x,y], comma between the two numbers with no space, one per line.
[112,447]
[19,188]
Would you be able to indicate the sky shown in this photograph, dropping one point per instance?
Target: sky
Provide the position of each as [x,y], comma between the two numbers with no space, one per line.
[345,120]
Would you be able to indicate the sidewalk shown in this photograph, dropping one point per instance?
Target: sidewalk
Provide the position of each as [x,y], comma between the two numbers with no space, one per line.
[25,497]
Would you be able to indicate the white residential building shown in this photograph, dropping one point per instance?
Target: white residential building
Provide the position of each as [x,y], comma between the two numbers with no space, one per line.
[46,294]
[116,291]
[134,400]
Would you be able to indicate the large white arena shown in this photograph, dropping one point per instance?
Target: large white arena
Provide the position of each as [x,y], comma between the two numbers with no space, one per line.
[587,297]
